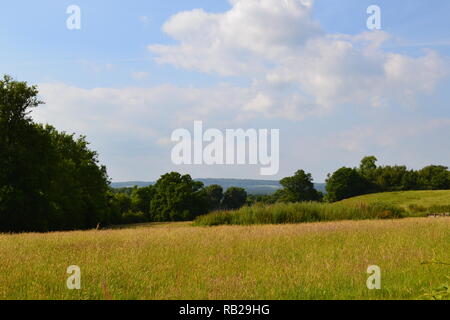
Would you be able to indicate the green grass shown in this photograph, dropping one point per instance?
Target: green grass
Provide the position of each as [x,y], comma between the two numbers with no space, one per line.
[390,205]
[266,254]
[178,261]
[281,213]
[435,201]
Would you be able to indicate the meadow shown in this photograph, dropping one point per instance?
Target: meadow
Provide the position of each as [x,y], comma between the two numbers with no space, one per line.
[426,201]
[389,205]
[326,260]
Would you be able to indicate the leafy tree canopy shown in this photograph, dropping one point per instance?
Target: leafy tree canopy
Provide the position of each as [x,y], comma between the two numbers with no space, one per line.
[299,187]
[48,180]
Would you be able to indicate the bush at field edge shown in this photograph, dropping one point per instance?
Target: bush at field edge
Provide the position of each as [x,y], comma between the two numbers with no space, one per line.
[283,213]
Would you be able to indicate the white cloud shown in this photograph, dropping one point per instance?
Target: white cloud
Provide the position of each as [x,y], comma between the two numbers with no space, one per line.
[137,112]
[127,124]
[296,68]
[240,41]
[386,135]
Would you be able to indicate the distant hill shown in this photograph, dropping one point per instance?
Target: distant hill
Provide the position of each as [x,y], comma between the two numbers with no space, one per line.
[130,184]
[251,186]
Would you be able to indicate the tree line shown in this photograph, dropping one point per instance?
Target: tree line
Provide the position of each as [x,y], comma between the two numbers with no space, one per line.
[370,178]
[51,180]
[174,197]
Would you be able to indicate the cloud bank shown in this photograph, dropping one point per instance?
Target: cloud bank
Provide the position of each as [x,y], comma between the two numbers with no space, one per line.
[293,69]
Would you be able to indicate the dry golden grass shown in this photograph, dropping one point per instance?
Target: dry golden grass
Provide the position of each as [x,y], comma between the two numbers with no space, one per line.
[179,261]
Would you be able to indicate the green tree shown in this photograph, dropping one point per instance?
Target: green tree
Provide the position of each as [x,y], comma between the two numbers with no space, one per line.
[141,199]
[214,194]
[390,178]
[48,180]
[234,198]
[410,181]
[368,167]
[118,204]
[178,198]
[22,205]
[297,188]
[368,164]
[345,183]
[77,186]
[434,178]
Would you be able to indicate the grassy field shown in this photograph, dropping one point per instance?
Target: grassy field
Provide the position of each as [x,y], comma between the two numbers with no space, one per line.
[408,200]
[179,261]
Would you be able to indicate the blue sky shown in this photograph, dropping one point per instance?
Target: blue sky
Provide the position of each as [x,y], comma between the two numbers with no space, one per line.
[336,90]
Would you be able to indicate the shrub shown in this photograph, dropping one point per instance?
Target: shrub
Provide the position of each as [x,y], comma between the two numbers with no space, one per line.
[282,213]
[131,217]
[415,208]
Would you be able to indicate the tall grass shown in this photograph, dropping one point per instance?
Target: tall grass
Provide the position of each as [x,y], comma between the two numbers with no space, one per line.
[412,201]
[177,261]
[282,213]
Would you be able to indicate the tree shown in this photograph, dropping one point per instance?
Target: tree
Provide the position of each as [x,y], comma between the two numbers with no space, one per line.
[214,194]
[118,203]
[19,165]
[410,181]
[368,164]
[345,183]
[178,198]
[141,200]
[79,187]
[369,170]
[368,167]
[48,180]
[17,98]
[234,198]
[434,178]
[297,188]
[390,178]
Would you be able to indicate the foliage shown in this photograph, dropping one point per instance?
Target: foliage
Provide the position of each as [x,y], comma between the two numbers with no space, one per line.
[141,201]
[48,180]
[298,188]
[234,198]
[345,183]
[370,178]
[214,194]
[434,178]
[261,199]
[178,198]
[132,217]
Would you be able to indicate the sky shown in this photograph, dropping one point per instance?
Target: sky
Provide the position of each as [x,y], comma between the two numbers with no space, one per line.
[337,91]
